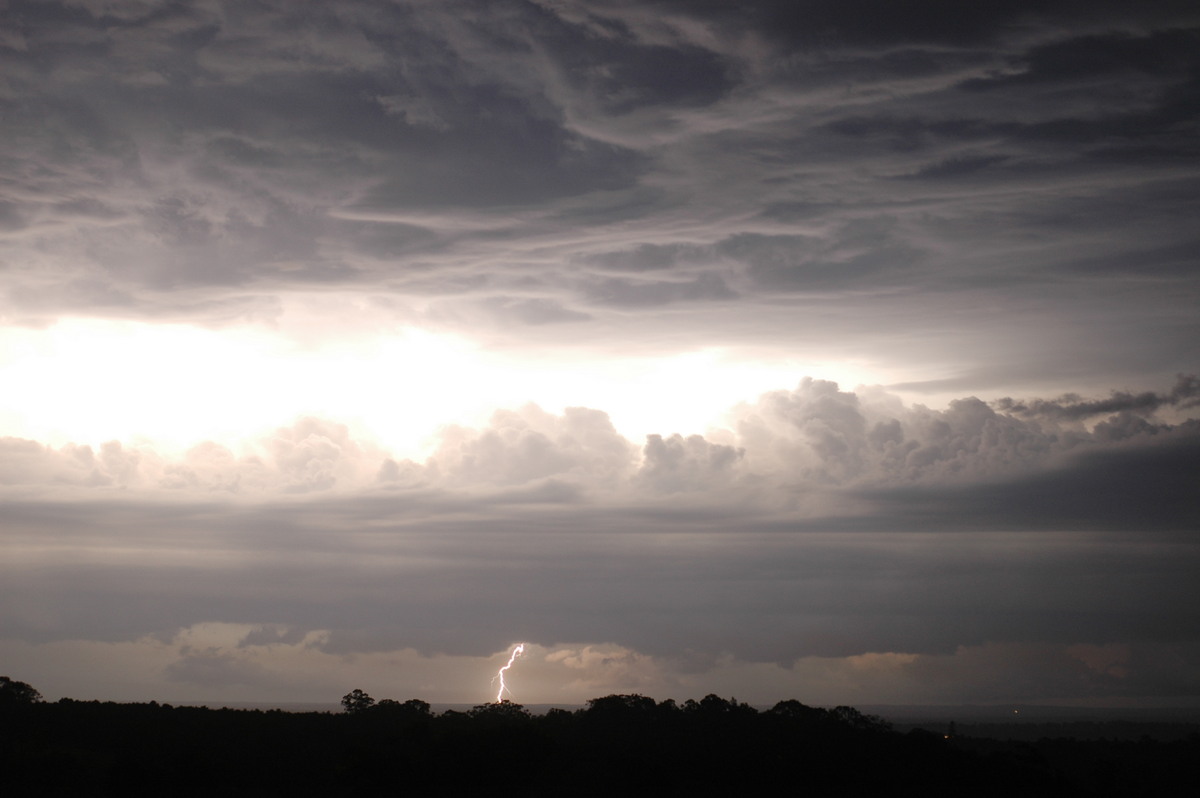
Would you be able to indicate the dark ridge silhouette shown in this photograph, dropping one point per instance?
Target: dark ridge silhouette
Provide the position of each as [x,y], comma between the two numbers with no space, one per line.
[617,743]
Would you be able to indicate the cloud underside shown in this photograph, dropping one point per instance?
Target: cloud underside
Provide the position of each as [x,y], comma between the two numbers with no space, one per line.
[825,524]
[981,184]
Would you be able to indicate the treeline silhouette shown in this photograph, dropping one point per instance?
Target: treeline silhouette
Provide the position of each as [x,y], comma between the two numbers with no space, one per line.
[618,743]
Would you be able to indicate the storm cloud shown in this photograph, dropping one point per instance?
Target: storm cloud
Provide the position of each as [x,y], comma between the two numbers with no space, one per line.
[197,160]
[349,227]
[833,524]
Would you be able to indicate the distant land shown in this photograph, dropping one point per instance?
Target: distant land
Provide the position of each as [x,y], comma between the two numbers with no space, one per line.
[900,714]
[713,746]
[1018,722]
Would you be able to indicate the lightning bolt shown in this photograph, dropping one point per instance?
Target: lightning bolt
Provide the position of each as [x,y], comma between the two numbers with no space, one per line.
[518,651]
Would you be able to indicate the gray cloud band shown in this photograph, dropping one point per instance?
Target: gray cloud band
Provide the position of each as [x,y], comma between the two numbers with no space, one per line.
[521,164]
[830,529]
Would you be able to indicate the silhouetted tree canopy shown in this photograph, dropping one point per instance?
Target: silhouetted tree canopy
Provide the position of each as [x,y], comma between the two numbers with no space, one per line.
[714,746]
[854,719]
[14,692]
[411,707]
[356,701]
[621,705]
[501,710]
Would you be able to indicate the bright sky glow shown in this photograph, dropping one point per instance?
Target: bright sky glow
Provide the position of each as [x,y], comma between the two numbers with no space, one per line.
[172,386]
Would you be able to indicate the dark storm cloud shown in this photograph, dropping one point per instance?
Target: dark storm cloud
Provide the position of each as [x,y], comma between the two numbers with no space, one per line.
[864,22]
[1148,486]
[649,257]
[605,61]
[260,126]
[186,160]
[662,585]
[623,293]
[862,253]
[1185,393]
[958,166]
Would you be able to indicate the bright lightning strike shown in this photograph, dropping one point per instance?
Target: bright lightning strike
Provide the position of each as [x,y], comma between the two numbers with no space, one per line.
[518,651]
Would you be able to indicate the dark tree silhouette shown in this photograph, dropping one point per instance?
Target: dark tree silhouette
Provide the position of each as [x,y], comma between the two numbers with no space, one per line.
[795,710]
[711,747]
[713,706]
[856,720]
[418,706]
[356,701]
[624,706]
[413,706]
[14,692]
[501,711]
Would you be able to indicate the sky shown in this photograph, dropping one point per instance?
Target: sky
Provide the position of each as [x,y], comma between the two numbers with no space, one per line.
[831,350]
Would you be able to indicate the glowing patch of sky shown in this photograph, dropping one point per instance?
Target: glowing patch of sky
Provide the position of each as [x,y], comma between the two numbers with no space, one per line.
[87,381]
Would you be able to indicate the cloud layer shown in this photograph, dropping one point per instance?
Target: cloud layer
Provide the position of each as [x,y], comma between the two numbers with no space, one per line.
[1011,186]
[827,524]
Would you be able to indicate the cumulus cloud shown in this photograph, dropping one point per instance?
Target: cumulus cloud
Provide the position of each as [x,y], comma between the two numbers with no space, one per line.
[821,434]
[674,464]
[310,455]
[529,444]
[787,446]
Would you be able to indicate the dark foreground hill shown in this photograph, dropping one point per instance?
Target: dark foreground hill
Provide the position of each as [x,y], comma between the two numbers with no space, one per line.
[617,745]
